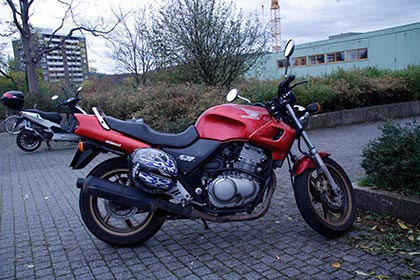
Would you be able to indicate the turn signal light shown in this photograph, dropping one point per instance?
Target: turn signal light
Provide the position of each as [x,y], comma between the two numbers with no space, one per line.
[80,146]
[313,108]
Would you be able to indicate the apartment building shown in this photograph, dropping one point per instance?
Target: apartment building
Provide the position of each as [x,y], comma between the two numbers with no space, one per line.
[68,63]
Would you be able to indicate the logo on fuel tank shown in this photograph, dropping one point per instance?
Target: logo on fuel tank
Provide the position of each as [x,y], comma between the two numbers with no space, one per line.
[254,115]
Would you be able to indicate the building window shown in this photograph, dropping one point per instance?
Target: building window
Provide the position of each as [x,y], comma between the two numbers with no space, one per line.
[359,54]
[299,61]
[351,55]
[362,54]
[335,57]
[316,59]
[281,63]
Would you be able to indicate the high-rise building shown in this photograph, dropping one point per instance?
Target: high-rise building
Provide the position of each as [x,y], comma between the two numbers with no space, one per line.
[67,63]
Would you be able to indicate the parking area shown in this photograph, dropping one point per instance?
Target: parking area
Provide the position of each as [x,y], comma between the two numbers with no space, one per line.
[42,235]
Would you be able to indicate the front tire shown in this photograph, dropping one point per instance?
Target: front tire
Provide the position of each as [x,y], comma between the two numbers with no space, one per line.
[27,141]
[114,223]
[313,201]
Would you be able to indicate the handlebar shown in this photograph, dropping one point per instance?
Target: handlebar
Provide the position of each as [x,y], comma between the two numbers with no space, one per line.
[284,86]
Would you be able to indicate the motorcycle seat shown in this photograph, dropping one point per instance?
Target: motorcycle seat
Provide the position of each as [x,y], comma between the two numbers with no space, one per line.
[146,134]
[51,116]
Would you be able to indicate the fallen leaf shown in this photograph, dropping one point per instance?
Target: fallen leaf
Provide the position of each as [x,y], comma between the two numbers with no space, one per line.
[374,227]
[402,225]
[361,273]
[411,238]
[336,265]
[30,265]
[414,253]
[365,247]
[381,277]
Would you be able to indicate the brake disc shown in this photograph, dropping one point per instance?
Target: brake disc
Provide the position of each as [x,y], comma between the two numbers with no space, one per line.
[332,203]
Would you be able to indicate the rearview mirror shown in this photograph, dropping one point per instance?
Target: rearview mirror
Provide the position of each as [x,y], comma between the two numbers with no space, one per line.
[289,48]
[232,95]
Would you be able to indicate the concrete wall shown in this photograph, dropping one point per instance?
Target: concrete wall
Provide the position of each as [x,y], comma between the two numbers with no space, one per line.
[367,114]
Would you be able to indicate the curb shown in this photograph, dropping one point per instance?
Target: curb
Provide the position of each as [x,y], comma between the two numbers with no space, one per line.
[366,114]
[400,206]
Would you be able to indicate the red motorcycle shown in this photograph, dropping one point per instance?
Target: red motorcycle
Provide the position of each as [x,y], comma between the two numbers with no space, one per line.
[221,170]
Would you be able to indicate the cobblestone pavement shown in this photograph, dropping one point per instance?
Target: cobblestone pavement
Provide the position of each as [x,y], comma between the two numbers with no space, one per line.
[42,235]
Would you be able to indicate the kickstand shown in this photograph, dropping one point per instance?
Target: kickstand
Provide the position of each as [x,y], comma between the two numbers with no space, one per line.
[206,226]
[48,146]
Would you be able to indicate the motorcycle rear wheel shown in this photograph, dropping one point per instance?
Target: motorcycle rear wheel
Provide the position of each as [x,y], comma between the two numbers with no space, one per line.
[27,141]
[114,223]
[313,204]
[13,124]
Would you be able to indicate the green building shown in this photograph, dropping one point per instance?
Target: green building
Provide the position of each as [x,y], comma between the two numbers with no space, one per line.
[393,48]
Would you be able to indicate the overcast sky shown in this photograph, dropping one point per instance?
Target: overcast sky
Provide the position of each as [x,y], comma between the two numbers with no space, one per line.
[303,20]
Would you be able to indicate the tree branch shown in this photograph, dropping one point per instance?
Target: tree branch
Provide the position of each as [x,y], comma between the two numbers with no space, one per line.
[14,14]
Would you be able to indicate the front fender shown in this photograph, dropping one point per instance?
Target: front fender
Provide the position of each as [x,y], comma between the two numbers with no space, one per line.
[305,162]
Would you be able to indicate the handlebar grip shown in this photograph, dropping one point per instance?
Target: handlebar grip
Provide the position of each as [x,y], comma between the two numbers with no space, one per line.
[284,85]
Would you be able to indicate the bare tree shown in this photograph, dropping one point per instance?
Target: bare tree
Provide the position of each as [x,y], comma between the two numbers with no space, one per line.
[215,43]
[131,45]
[33,49]
[4,65]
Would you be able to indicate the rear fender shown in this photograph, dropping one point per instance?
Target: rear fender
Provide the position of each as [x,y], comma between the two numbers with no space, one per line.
[305,162]
[85,153]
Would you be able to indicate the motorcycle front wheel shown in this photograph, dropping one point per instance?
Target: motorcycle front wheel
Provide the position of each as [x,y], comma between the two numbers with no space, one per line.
[115,223]
[27,141]
[316,202]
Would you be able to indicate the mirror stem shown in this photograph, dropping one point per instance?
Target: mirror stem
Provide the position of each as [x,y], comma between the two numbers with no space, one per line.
[245,99]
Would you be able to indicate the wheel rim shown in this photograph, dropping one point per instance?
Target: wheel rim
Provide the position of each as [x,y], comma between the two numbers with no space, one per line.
[29,141]
[319,203]
[12,124]
[115,218]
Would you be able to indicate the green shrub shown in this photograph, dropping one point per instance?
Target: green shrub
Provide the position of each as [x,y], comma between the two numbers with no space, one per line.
[258,91]
[165,107]
[412,79]
[392,161]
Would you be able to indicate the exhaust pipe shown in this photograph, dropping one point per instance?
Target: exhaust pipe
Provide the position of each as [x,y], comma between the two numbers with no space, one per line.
[130,196]
[136,197]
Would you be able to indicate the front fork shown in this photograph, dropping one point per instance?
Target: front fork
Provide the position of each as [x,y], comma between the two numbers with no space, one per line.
[313,153]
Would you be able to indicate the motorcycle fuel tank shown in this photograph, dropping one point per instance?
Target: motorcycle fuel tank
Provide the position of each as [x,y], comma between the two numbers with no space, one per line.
[248,123]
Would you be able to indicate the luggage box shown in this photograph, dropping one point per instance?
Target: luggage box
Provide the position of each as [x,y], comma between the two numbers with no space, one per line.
[13,100]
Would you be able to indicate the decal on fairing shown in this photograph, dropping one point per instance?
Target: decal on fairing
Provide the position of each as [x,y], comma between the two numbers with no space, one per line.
[186,158]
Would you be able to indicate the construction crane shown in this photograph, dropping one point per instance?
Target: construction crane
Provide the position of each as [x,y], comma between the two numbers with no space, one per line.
[275,26]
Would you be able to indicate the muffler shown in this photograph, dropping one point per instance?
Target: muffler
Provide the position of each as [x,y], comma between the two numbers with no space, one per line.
[130,196]
[136,197]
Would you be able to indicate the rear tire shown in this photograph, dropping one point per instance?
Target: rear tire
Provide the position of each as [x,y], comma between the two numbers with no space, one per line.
[12,124]
[114,223]
[27,141]
[314,206]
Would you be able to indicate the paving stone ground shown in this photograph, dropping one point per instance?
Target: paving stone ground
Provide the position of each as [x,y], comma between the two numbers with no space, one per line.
[42,235]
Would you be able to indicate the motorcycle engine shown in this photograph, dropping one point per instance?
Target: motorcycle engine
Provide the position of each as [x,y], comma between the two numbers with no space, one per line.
[237,187]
